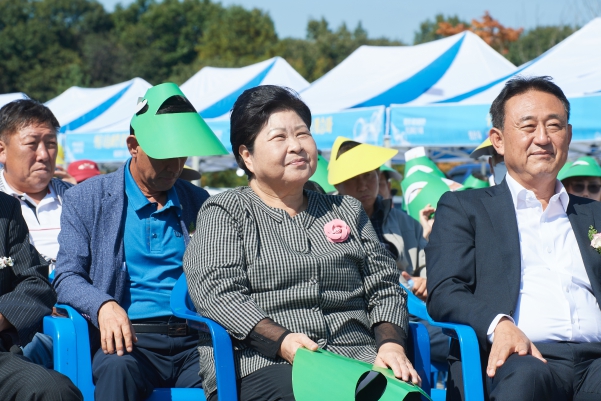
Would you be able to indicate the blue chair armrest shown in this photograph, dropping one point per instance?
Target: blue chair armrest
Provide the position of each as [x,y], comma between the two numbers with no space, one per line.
[71,348]
[471,367]
[182,307]
[468,342]
[419,349]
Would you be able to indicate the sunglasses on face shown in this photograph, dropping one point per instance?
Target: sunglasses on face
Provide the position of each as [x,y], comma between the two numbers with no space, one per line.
[579,187]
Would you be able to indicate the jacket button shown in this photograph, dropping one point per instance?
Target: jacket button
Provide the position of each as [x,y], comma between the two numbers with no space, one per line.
[511,313]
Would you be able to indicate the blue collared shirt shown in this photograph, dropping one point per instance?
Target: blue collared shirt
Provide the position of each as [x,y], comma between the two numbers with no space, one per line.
[154,249]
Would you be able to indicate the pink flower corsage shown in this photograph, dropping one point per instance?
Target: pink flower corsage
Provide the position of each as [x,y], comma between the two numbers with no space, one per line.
[336,231]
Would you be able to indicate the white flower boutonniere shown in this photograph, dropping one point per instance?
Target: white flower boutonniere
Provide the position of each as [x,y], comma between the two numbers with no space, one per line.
[4,261]
[595,239]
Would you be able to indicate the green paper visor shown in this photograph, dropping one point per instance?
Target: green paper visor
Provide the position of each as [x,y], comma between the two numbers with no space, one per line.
[321,175]
[585,166]
[166,125]
[472,182]
[424,164]
[322,375]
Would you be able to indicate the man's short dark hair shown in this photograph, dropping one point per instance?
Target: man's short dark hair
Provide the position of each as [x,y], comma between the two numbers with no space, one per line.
[517,86]
[252,110]
[22,113]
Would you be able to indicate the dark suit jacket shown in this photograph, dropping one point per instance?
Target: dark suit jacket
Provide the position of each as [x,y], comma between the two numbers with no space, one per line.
[474,262]
[26,296]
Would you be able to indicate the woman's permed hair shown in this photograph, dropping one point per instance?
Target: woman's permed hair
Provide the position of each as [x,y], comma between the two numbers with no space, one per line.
[252,111]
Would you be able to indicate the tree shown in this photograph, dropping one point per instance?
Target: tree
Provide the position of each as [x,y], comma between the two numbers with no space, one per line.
[324,49]
[428,29]
[537,41]
[489,29]
[40,44]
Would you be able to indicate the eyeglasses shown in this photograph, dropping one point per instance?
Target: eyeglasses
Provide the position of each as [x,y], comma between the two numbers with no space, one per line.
[579,187]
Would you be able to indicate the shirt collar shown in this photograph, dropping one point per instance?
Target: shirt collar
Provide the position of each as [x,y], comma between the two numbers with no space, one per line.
[137,199]
[520,195]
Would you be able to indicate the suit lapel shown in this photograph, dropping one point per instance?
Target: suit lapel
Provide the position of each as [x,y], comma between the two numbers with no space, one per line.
[113,205]
[501,212]
[581,219]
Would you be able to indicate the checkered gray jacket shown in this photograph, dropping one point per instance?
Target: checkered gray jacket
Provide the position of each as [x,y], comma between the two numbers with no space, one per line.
[248,261]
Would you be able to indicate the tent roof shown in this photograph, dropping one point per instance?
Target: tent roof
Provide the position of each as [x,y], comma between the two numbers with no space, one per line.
[573,64]
[9,97]
[426,73]
[107,109]
[213,91]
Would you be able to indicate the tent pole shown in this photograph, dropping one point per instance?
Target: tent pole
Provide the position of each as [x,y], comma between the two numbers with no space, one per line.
[195,166]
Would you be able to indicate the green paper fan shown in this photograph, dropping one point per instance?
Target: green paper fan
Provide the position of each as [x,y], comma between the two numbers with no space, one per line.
[167,126]
[322,375]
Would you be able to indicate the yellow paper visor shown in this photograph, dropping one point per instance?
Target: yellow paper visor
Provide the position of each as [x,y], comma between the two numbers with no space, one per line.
[356,161]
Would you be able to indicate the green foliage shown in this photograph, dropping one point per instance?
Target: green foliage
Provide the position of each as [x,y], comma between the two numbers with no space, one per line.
[427,29]
[535,42]
[324,48]
[223,179]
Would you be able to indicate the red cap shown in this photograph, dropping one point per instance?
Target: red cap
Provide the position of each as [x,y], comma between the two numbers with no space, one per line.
[83,169]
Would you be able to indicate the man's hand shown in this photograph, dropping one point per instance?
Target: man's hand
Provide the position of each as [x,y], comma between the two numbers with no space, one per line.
[509,339]
[292,342]
[4,323]
[62,174]
[115,328]
[419,285]
[425,221]
[392,356]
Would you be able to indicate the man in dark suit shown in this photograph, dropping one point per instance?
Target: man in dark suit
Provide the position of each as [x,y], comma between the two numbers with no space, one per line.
[26,297]
[515,261]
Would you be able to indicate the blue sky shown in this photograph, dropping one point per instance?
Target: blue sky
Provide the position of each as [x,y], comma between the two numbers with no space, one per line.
[399,19]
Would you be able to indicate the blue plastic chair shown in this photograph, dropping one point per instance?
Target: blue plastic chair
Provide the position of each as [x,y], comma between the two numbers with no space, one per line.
[72,357]
[470,352]
[183,307]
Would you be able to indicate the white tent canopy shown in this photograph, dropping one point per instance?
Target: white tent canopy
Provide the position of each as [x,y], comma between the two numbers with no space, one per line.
[422,74]
[107,109]
[573,64]
[213,91]
[9,97]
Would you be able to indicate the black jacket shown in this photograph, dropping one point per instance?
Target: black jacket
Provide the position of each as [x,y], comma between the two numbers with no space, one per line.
[26,296]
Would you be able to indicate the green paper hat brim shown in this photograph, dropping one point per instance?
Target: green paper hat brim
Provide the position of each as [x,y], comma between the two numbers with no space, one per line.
[424,164]
[321,175]
[582,167]
[430,194]
[472,182]
[177,135]
[169,135]
[322,375]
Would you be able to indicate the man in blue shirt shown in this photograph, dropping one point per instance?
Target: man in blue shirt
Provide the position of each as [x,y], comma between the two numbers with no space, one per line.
[121,248]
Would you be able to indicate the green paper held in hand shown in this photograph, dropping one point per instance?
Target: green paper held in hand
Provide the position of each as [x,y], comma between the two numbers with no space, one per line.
[322,375]
[421,189]
[167,126]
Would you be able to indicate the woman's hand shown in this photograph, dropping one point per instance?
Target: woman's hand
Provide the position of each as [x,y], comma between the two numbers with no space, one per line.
[292,342]
[425,221]
[393,356]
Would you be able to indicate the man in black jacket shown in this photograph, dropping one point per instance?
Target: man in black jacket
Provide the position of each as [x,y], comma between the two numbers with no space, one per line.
[26,297]
[516,261]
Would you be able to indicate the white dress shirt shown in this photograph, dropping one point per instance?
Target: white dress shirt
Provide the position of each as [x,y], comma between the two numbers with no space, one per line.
[43,219]
[556,301]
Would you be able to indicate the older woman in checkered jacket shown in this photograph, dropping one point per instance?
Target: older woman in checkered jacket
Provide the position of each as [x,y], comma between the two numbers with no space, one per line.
[281,268]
